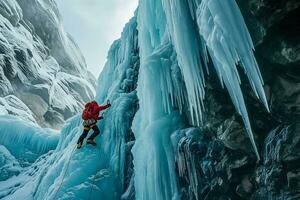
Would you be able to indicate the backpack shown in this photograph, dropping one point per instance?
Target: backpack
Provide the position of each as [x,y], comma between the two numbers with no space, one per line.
[88,111]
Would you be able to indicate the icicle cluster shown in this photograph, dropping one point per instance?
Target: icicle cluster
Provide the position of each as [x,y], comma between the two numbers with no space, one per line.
[176,40]
[215,27]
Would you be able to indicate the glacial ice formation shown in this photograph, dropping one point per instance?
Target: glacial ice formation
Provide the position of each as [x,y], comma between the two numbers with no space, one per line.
[228,42]
[63,173]
[9,165]
[26,141]
[40,63]
[91,172]
[155,78]
[177,41]
[216,32]
[14,106]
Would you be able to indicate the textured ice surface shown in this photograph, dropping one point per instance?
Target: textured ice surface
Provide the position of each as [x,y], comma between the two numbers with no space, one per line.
[9,165]
[91,172]
[13,106]
[118,83]
[153,153]
[197,29]
[25,140]
[40,63]
[156,119]
[176,40]
[65,173]
[11,10]
[228,42]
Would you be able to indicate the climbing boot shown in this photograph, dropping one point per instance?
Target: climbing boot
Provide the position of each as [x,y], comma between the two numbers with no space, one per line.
[90,141]
[79,145]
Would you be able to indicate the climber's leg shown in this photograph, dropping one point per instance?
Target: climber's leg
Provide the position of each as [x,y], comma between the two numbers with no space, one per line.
[95,134]
[83,135]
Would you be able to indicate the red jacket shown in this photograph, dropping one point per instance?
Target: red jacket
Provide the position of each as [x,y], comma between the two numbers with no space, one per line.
[96,109]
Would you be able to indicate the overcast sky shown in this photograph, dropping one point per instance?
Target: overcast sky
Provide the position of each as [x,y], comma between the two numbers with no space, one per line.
[94,25]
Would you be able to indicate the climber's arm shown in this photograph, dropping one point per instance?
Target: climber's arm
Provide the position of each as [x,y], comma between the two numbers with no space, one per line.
[100,108]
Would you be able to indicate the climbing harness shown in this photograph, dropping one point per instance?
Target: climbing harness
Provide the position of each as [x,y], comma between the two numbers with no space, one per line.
[65,173]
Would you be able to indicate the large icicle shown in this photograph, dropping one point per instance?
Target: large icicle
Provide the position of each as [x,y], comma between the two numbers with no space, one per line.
[186,41]
[224,35]
[228,42]
[156,120]
[155,176]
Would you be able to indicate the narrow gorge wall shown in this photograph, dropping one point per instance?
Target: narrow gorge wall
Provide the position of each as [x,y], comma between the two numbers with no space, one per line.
[43,76]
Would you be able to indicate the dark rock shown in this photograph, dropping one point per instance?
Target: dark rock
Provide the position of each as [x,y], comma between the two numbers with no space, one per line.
[285,101]
[282,145]
[293,179]
[234,136]
[246,188]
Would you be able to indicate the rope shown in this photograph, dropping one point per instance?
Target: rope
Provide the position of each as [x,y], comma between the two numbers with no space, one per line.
[65,173]
[61,183]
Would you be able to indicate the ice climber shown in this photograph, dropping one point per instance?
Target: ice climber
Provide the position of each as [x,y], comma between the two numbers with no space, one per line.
[90,116]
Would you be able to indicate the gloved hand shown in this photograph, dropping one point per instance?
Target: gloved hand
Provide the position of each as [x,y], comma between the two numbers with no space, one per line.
[101,117]
[108,103]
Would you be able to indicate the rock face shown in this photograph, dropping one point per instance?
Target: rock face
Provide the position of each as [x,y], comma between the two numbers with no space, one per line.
[43,76]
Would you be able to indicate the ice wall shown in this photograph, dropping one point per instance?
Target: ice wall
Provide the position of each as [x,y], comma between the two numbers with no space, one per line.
[118,82]
[91,172]
[65,173]
[9,165]
[178,40]
[222,34]
[99,172]
[26,141]
[156,119]
[12,105]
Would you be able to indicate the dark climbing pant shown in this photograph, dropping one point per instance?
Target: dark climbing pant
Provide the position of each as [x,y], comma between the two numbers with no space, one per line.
[86,131]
